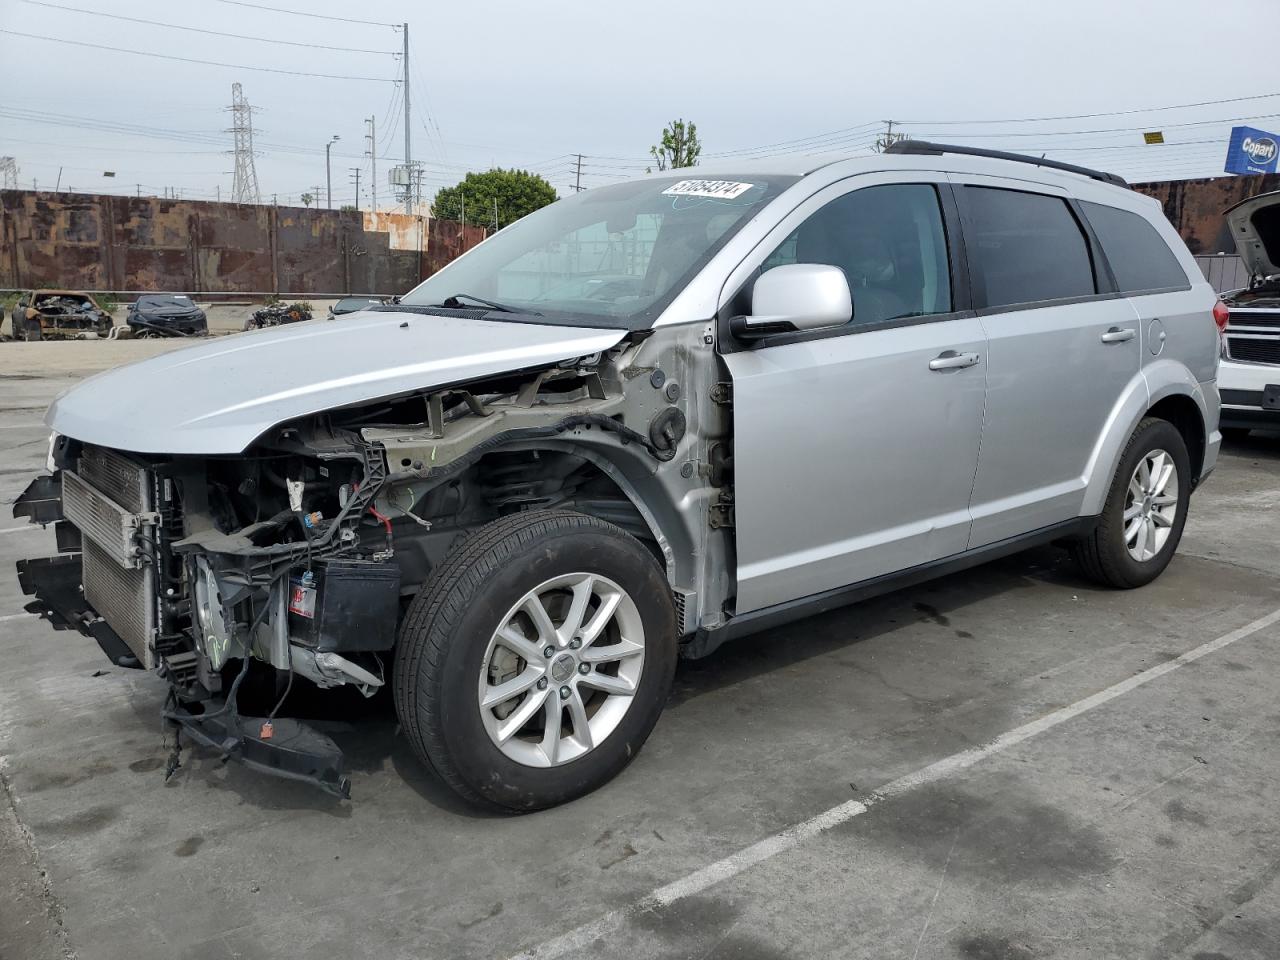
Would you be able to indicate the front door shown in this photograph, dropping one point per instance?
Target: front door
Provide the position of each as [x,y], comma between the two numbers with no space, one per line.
[855,448]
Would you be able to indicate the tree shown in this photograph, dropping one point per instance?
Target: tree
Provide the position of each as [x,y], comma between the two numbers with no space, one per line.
[306,199]
[494,198]
[680,146]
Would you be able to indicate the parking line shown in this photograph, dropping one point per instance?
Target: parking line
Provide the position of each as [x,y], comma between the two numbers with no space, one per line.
[584,936]
[15,616]
[22,529]
[21,426]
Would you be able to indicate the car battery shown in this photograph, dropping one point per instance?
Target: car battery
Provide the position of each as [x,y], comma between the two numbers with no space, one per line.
[345,605]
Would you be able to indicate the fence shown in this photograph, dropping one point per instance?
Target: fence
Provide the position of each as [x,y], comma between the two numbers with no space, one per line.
[1224,272]
[140,244]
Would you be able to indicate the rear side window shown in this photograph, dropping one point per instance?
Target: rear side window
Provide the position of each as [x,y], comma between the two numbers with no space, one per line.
[1026,247]
[1138,255]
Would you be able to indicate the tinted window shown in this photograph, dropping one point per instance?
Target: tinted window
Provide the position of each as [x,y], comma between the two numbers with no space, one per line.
[1139,258]
[1026,247]
[889,242]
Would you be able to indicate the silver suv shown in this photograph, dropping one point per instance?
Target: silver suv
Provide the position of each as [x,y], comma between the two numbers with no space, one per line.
[642,421]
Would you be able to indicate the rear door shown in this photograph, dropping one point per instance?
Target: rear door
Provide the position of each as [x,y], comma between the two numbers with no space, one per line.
[1063,348]
[1171,324]
[855,447]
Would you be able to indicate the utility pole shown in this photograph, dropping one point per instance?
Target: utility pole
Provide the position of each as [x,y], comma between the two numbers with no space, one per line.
[495,214]
[408,154]
[139,186]
[888,139]
[356,172]
[328,178]
[218,188]
[244,181]
[577,183]
[371,136]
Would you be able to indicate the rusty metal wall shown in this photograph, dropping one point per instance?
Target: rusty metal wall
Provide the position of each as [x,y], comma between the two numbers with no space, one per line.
[99,242]
[1195,207]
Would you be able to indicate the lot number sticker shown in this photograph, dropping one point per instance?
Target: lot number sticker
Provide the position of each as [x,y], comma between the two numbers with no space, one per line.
[716,189]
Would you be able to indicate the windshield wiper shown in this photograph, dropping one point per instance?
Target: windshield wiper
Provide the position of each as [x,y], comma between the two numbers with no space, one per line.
[454,303]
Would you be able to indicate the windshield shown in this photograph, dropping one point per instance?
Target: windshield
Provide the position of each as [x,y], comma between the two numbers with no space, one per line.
[613,257]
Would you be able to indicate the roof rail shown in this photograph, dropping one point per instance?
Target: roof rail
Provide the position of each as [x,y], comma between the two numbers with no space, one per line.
[925,147]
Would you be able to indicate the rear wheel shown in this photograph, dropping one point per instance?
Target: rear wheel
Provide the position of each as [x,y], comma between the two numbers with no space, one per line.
[1146,509]
[532,666]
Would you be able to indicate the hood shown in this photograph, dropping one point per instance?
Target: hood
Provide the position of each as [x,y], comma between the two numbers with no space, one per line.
[1255,227]
[218,397]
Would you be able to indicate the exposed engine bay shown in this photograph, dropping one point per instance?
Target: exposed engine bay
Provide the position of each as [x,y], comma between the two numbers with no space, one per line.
[300,555]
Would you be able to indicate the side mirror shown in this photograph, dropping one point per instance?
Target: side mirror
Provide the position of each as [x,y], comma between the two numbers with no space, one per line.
[797,296]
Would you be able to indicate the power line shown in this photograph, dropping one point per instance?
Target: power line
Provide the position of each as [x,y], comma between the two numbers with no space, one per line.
[1076,133]
[208,63]
[1091,116]
[314,16]
[212,33]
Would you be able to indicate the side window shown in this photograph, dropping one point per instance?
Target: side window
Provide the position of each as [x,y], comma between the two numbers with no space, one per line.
[1138,255]
[1026,247]
[890,243]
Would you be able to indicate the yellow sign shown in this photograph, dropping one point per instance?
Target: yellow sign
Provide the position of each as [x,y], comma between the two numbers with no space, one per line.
[1155,136]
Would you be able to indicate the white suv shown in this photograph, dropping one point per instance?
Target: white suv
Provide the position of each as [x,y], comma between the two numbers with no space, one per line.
[1249,377]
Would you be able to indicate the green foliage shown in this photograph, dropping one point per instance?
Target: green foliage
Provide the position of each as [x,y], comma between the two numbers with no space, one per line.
[107,301]
[307,199]
[348,208]
[8,300]
[517,192]
[680,146]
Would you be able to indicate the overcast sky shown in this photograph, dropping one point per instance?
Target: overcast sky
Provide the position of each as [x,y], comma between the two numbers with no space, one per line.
[532,84]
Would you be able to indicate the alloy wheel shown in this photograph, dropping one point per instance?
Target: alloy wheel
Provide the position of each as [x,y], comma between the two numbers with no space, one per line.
[561,670]
[1150,505]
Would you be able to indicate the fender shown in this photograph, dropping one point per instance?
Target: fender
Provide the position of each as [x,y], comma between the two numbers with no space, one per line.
[1155,382]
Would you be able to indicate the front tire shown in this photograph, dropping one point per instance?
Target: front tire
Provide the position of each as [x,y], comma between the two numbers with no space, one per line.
[1145,512]
[534,663]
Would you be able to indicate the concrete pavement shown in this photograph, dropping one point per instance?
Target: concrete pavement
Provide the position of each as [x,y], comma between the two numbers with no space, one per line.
[1144,826]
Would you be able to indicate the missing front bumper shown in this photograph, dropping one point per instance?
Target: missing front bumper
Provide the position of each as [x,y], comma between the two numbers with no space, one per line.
[295,751]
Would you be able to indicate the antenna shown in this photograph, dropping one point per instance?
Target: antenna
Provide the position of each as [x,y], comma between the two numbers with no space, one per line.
[244,183]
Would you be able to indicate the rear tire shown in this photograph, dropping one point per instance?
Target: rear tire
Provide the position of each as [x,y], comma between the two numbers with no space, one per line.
[1145,511]
[467,633]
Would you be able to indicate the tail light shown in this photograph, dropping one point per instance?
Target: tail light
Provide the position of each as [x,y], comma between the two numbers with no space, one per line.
[1221,315]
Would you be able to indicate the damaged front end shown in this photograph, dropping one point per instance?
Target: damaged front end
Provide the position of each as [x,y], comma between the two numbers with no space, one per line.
[184,565]
[302,552]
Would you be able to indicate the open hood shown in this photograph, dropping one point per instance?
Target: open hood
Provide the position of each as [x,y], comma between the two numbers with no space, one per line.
[218,397]
[1255,227]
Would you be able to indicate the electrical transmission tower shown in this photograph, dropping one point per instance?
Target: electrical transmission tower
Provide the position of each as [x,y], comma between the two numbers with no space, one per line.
[244,184]
[8,173]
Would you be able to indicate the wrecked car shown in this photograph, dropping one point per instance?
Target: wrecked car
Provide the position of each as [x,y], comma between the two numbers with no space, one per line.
[58,314]
[516,498]
[166,315]
[1249,377]
[275,314]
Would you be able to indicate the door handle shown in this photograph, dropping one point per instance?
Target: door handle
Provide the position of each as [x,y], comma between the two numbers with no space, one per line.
[1116,335]
[950,360]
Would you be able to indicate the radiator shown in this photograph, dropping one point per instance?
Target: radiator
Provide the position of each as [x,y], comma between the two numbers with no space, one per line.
[108,499]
